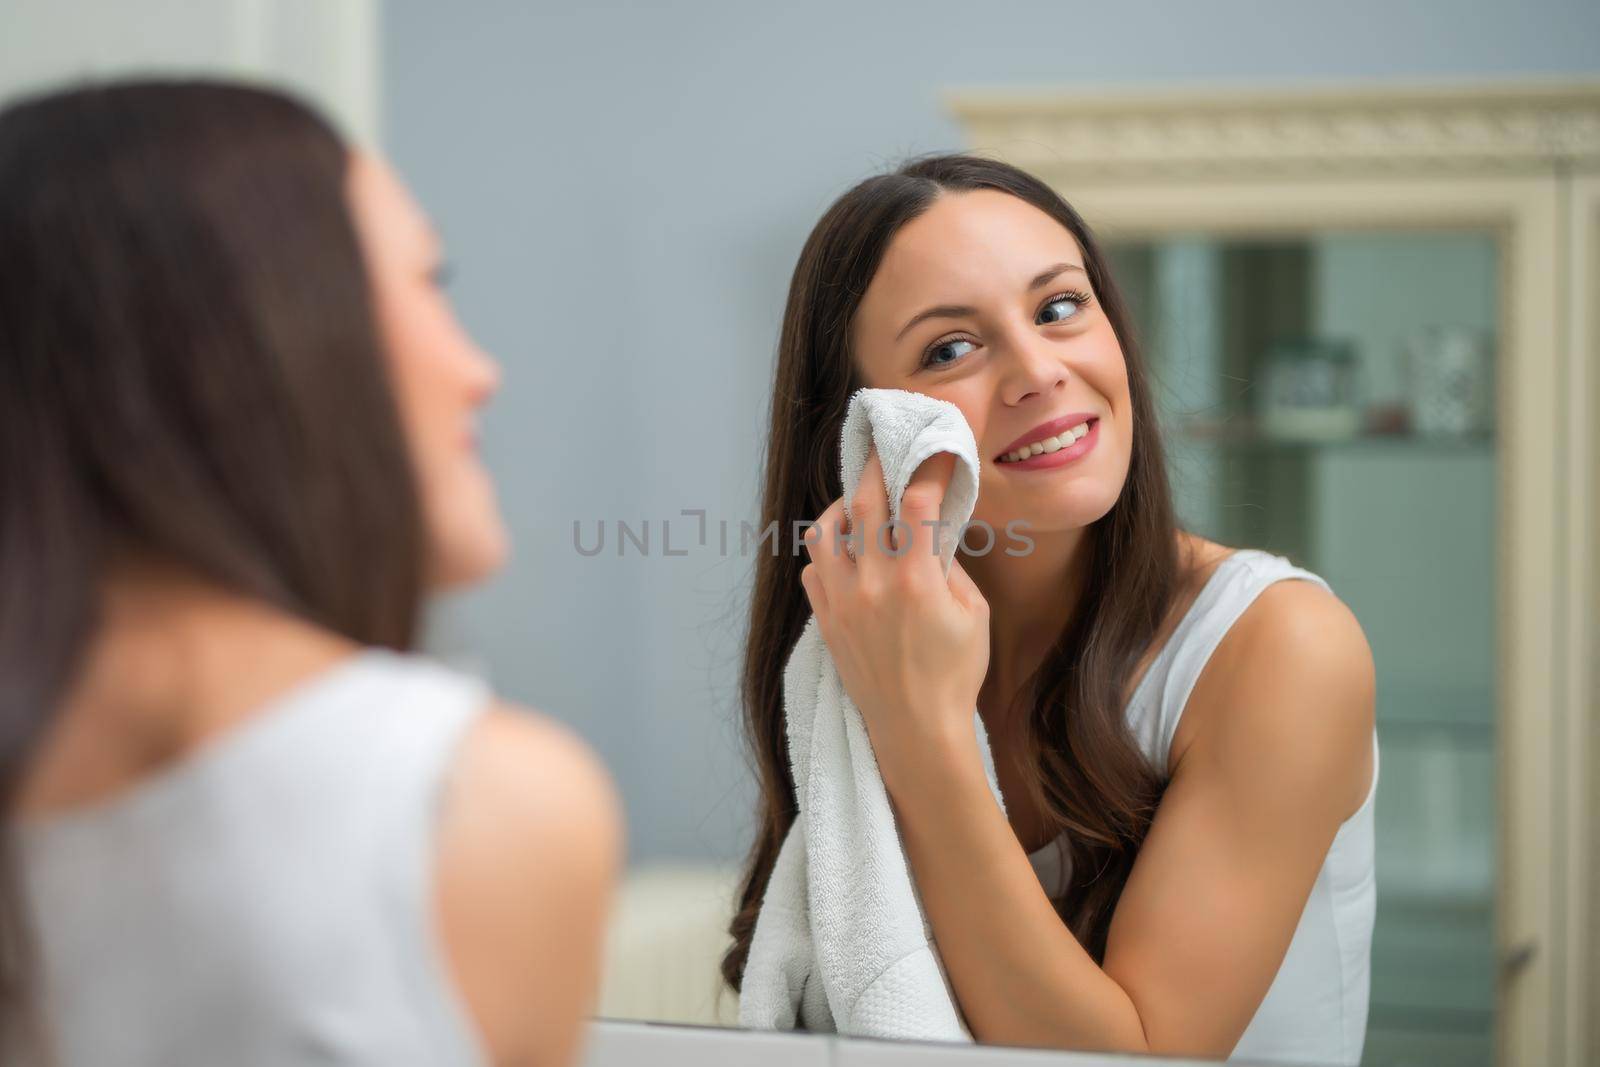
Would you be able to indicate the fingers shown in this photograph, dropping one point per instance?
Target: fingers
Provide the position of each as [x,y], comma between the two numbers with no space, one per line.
[920,505]
[822,541]
[829,565]
[869,511]
[876,546]
[811,582]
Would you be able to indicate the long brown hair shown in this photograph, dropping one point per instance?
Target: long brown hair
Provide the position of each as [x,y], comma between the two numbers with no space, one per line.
[1089,778]
[189,370]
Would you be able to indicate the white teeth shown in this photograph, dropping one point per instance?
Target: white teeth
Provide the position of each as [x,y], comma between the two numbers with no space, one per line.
[1049,444]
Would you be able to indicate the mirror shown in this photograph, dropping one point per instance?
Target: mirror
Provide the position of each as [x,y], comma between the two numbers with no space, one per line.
[1330,337]
[1332,321]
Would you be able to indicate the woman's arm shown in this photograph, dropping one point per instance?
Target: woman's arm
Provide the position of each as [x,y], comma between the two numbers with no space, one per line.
[1222,878]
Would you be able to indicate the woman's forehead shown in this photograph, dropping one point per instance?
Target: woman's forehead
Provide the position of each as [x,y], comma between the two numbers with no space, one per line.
[966,245]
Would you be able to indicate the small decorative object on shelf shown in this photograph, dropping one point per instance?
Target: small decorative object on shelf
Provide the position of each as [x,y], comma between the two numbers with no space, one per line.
[1451,371]
[1391,419]
[1309,391]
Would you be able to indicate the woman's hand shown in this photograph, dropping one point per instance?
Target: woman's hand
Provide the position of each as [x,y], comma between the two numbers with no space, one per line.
[911,647]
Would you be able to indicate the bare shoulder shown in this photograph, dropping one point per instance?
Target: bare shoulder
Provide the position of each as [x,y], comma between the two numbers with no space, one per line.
[530,845]
[528,794]
[1292,693]
[519,765]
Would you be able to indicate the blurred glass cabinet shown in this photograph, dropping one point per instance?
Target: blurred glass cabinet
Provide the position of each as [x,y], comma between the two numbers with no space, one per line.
[1328,397]
[1369,321]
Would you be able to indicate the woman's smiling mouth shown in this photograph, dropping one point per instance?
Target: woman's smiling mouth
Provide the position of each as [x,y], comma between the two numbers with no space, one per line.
[1052,444]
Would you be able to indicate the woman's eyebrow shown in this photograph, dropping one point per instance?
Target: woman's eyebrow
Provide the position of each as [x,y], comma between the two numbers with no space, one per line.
[942,311]
[1045,276]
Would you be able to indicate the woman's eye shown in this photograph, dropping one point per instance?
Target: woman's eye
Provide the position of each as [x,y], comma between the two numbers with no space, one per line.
[1061,308]
[945,353]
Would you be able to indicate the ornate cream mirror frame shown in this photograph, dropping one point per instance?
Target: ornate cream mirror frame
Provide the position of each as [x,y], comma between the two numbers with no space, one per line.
[1522,160]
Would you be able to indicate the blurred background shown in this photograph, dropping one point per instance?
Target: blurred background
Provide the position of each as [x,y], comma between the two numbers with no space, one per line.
[623,188]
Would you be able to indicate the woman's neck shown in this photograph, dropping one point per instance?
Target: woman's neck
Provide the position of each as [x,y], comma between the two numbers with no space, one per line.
[172,662]
[1031,599]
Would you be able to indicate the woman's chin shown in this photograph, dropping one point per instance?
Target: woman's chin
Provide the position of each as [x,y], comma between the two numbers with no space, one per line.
[470,553]
[1065,513]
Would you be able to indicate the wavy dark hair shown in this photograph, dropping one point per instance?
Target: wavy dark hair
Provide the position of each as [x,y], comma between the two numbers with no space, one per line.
[190,372]
[1089,778]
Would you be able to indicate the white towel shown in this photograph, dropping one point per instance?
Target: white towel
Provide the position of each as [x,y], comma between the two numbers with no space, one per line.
[841,942]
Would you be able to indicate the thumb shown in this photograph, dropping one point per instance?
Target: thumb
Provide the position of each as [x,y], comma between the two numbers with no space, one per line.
[965,590]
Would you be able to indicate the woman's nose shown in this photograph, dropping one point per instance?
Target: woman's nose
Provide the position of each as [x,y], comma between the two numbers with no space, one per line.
[483,377]
[1034,368]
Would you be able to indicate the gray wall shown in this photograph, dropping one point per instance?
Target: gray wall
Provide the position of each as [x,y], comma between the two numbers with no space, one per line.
[624,187]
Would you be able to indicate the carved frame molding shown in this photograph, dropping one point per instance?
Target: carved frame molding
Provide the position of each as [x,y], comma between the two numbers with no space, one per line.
[1179,133]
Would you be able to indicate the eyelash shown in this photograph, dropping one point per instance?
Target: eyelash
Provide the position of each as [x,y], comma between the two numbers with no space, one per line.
[1077,296]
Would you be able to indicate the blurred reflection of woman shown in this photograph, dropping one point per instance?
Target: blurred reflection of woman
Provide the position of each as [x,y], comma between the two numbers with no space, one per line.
[236,452]
[1184,736]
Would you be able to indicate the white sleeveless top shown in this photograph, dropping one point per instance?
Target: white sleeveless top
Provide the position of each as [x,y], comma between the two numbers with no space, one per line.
[269,899]
[1315,1011]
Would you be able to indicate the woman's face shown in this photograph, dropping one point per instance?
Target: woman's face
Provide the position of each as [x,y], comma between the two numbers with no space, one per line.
[440,377]
[984,301]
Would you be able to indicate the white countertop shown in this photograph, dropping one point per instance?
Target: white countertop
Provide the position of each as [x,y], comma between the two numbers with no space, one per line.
[613,1043]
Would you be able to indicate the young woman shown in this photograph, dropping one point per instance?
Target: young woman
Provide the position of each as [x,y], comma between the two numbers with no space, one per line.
[236,452]
[1184,737]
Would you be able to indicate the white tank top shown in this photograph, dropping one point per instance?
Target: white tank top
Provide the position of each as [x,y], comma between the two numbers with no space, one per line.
[1315,1011]
[269,899]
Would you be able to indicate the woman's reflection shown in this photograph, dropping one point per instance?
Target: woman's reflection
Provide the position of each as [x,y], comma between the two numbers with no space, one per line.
[1183,732]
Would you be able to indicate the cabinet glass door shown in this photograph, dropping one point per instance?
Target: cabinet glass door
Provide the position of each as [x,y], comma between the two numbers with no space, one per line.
[1330,397]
